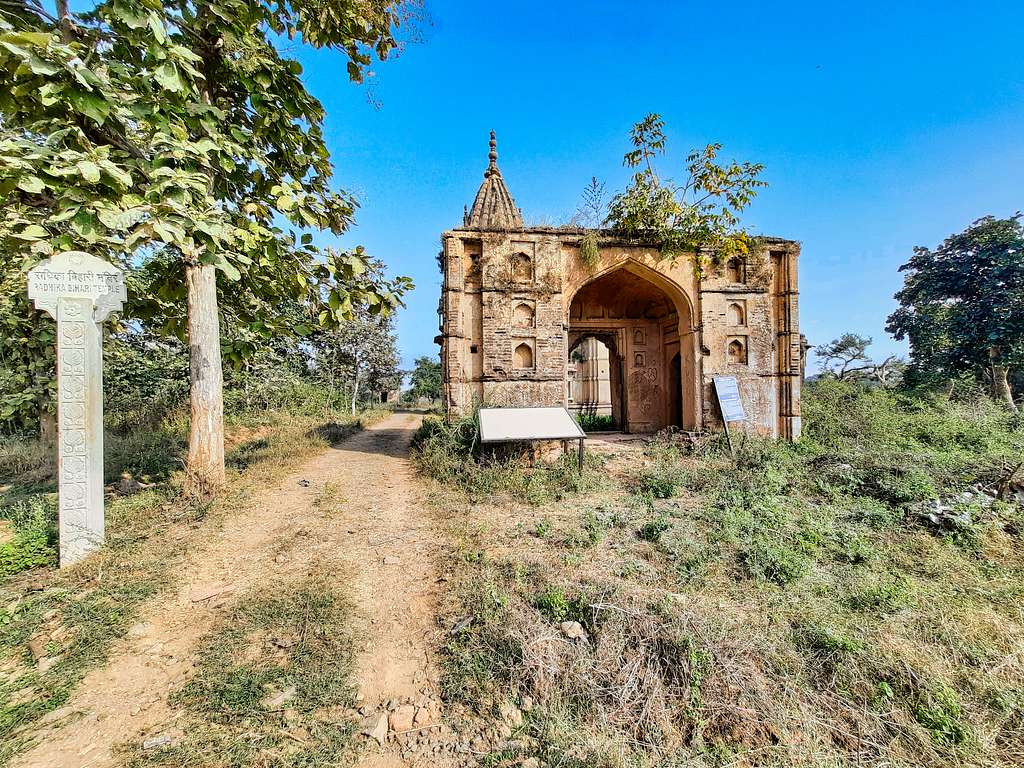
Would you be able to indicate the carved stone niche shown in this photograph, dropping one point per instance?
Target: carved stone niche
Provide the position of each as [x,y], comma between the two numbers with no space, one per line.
[736,313]
[523,314]
[736,350]
[522,356]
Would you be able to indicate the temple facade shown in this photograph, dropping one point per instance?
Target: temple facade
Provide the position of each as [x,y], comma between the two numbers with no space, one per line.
[517,302]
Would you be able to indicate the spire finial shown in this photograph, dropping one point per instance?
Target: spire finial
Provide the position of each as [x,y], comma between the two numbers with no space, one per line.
[493,156]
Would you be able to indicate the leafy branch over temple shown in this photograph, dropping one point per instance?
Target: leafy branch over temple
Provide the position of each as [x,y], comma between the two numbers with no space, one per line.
[701,215]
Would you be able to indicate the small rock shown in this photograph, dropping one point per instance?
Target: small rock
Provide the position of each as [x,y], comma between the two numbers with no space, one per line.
[37,646]
[402,718]
[376,727]
[275,701]
[530,762]
[155,742]
[573,630]
[511,716]
[392,560]
[304,483]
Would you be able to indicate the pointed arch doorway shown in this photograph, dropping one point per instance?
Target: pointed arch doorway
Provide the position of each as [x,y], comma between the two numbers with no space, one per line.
[650,340]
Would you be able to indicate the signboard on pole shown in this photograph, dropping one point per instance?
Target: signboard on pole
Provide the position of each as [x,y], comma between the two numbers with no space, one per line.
[501,425]
[729,401]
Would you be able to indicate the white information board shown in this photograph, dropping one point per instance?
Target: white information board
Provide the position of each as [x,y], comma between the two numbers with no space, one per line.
[511,424]
[728,393]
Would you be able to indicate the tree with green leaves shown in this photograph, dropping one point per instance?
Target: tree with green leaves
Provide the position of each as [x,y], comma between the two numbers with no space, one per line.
[360,357]
[176,138]
[962,305]
[847,359]
[699,216]
[425,379]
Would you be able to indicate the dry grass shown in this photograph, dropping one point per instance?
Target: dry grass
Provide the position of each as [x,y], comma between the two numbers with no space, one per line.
[84,609]
[750,613]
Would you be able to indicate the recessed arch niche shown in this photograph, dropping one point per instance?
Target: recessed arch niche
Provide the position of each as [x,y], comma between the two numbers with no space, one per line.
[522,356]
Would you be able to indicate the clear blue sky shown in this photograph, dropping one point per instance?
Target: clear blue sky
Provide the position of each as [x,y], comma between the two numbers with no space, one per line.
[882,126]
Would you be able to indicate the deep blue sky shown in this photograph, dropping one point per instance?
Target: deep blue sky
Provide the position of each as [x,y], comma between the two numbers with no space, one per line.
[881,125]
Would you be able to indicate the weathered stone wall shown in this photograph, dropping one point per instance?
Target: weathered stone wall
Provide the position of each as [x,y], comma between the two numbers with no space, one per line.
[505,324]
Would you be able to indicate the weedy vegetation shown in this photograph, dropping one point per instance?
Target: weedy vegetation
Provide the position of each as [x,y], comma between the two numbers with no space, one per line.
[272,686]
[851,599]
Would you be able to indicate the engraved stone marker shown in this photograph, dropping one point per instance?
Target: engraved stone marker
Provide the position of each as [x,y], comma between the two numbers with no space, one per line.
[79,291]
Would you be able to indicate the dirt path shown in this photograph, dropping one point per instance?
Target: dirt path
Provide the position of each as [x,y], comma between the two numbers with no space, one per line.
[377,534]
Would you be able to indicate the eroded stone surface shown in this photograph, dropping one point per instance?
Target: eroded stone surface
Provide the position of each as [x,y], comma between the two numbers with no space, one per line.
[79,291]
[517,300]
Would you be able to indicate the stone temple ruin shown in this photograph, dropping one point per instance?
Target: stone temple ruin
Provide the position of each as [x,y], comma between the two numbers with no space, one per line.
[524,320]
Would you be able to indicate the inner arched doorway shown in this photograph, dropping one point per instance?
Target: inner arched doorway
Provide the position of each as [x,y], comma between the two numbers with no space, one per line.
[650,338]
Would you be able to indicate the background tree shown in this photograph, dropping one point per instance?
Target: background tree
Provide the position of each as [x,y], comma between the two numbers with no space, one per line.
[425,379]
[360,356]
[701,215]
[962,305]
[847,359]
[173,138]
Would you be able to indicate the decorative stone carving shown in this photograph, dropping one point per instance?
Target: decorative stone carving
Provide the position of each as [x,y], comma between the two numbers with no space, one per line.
[79,291]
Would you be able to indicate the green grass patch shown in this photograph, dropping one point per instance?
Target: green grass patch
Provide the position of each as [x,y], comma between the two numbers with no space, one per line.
[279,665]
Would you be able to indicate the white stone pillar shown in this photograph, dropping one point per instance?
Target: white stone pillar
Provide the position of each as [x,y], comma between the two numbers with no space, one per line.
[79,291]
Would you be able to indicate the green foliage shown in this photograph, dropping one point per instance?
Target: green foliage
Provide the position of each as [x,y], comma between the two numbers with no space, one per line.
[701,216]
[939,710]
[594,422]
[960,304]
[159,136]
[881,593]
[34,521]
[557,606]
[652,529]
[822,639]
[663,480]
[776,561]
[846,358]
[425,379]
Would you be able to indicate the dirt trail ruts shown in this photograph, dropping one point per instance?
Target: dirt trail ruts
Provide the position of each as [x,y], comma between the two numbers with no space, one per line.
[379,537]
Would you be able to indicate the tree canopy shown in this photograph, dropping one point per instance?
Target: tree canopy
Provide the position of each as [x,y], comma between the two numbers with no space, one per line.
[962,305]
[160,135]
[701,215]
[425,379]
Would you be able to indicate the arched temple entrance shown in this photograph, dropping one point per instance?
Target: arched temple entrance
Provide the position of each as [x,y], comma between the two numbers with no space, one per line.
[594,381]
[650,338]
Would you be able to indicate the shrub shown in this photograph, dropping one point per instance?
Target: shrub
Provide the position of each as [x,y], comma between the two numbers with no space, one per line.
[882,594]
[939,710]
[775,561]
[556,606]
[662,481]
[652,529]
[35,535]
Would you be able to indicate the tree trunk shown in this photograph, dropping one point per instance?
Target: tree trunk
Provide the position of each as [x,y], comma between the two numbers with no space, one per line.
[48,434]
[355,392]
[206,382]
[1001,385]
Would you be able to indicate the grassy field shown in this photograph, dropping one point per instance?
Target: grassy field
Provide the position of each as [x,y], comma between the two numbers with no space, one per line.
[56,625]
[854,599]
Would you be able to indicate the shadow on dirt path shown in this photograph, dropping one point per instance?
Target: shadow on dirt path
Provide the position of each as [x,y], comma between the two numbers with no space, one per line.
[360,514]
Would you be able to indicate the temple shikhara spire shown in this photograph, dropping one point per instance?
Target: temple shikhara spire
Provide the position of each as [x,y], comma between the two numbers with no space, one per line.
[493,207]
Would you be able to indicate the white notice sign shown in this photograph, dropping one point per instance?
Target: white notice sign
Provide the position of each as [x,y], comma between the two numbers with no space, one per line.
[728,393]
[79,291]
[522,424]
